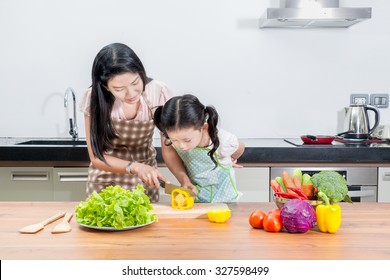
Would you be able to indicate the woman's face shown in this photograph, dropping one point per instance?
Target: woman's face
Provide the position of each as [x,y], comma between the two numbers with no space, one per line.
[186,139]
[126,87]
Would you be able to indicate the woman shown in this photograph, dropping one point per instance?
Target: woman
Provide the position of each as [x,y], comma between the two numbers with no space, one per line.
[119,122]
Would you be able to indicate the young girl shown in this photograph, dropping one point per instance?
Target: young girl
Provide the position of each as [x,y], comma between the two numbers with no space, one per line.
[207,153]
[119,122]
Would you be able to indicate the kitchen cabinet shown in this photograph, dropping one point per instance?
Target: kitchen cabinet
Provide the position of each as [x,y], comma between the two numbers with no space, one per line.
[383,184]
[69,184]
[26,184]
[260,157]
[42,183]
[252,182]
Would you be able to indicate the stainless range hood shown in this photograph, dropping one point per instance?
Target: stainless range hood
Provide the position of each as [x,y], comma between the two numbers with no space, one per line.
[313,14]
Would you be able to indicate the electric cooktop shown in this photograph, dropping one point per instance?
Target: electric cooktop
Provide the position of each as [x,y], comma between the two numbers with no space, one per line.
[338,141]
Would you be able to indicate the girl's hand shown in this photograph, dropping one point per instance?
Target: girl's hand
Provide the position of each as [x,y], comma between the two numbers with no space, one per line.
[190,186]
[147,174]
[235,165]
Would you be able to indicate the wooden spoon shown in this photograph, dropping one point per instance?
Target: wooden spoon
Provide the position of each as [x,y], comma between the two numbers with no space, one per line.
[64,226]
[39,226]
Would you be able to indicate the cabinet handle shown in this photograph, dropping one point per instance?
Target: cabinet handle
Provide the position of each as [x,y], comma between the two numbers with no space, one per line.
[362,193]
[29,176]
[386,176]
[72,176]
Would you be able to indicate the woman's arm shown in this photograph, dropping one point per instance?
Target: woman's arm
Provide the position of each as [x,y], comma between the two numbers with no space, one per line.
[175,165]
[146,173]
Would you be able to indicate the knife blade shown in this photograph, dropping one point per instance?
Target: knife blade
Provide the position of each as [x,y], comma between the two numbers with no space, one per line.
[170,187]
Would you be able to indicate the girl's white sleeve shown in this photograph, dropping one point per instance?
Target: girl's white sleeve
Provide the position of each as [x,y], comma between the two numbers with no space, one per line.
[228,145]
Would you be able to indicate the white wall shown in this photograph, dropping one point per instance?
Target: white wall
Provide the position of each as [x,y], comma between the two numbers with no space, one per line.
[264,82]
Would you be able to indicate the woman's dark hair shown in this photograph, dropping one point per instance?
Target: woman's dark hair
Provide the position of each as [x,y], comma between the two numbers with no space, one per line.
[112,60]
[181,112]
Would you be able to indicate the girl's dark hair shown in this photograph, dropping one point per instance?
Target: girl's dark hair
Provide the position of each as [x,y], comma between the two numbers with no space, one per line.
[181,112]
[112,60]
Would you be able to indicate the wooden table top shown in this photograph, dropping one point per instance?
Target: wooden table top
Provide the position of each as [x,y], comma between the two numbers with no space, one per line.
[363,235]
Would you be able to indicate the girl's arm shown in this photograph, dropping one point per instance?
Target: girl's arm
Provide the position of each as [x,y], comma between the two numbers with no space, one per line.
[148,174]
[240,150]
[175,165]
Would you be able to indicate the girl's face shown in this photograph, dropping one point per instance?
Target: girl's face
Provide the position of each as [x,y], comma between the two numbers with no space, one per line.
[187,139]
[126,87]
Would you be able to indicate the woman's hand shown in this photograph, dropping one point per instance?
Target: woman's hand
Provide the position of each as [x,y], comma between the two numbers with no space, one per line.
[147,174]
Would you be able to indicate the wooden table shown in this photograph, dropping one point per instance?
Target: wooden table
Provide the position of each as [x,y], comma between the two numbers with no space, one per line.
[364,235]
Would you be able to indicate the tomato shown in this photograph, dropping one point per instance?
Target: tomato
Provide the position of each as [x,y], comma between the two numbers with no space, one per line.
[256,219]
[272,221]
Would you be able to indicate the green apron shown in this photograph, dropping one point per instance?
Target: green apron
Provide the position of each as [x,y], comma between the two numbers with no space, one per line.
[214,185]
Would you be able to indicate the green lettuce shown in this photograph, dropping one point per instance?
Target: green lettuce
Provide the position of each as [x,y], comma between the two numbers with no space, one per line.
[116,207]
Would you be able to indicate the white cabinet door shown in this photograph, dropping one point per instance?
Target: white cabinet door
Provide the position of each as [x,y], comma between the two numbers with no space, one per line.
[252,182]
[383,184]
[26,184]
[69,184]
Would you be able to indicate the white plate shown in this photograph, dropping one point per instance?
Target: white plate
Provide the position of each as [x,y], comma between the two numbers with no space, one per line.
[115,229]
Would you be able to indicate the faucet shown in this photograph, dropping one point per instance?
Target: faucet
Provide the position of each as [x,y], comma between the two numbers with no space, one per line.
[73,123]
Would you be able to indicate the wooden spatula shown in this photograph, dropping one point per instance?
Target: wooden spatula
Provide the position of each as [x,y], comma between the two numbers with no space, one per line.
[64,226]
[39,226]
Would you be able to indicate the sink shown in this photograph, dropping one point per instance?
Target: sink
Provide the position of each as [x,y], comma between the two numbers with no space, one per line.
[56,142]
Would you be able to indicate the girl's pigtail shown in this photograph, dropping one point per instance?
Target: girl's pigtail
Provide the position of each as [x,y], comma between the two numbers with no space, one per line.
[211,117]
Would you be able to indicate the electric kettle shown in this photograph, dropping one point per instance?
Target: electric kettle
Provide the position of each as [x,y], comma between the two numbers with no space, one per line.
[356,123]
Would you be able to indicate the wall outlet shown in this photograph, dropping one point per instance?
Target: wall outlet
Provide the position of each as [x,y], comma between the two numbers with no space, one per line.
[359,98]
[379,100]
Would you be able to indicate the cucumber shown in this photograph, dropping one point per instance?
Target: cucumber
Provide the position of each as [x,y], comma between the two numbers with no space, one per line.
[280,182]
[306,179]
[297,172]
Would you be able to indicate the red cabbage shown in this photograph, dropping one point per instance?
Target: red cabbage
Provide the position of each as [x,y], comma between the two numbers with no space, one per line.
[297,216]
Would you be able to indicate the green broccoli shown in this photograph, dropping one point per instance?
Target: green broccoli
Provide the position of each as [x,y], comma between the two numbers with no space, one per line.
[333,184]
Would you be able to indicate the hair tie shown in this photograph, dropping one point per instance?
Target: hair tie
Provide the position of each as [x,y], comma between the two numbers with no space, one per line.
[206,117]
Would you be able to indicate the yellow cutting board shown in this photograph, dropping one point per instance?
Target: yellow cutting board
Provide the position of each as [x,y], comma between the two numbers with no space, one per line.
[198,211]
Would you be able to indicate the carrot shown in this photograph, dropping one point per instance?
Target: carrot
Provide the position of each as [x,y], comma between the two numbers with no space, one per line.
[288,182]
[297,182]
[308,190]
[275,186]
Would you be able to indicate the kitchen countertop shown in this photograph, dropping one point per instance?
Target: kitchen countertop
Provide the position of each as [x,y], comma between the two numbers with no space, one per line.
[363,235]
[260,152]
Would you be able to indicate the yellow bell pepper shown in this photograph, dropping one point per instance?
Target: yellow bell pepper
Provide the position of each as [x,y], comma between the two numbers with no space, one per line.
[218,215]
[328,215]
[181,199]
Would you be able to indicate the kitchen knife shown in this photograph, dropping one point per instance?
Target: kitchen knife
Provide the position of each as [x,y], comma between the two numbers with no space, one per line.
[170,187]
